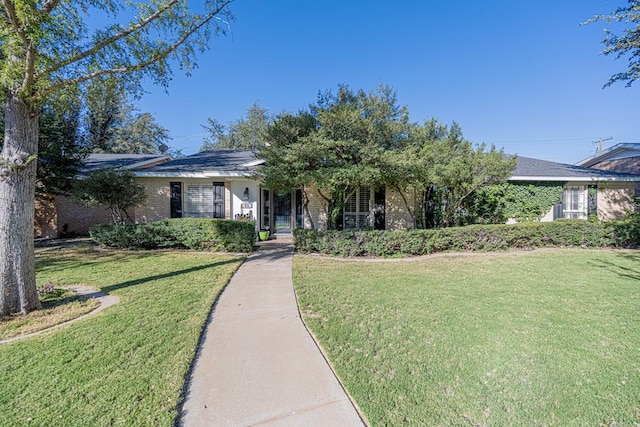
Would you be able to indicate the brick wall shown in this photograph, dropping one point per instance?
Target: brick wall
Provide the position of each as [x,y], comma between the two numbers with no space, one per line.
[627,165]
[157,205]
[75,219]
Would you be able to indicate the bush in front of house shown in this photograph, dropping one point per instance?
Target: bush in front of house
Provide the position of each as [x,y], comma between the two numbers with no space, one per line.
[561,233]
[186,233]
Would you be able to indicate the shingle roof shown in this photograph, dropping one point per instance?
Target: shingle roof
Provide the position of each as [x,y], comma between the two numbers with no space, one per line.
[218,160]
[95,162]
[535,169]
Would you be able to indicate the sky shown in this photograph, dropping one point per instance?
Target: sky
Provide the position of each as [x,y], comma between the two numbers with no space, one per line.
[524,76]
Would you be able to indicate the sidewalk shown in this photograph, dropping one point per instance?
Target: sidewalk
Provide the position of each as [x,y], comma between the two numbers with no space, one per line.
[257,364]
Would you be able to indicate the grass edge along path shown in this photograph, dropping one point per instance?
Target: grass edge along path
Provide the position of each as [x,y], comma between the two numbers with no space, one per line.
[544,338]
[126,365]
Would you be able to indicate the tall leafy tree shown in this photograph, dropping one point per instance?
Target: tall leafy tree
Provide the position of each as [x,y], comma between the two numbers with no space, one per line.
[115,126]
[625,45]
[47,48]
[61,146]
[357,138]
[336,146]
[248,132]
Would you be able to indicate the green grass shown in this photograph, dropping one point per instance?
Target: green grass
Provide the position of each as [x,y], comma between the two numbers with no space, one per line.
[58,306]
[126,365]
[540,338]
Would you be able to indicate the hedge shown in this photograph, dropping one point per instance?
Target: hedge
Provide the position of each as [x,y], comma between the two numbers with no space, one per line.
[561,233]
[186,233]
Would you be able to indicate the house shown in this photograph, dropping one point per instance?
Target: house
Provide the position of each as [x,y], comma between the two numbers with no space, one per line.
[623,158]
[62,216]
[609,195]
[222,184]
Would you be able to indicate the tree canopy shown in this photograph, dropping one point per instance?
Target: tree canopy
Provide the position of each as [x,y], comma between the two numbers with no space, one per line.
[247,132]
[625,45]
[356,138]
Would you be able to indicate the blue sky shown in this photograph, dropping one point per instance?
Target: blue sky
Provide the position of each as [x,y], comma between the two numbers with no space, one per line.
[522,75]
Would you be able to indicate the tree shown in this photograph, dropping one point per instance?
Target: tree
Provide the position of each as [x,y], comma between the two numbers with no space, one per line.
[357,138]
[245,133]
[114,125]
[627,44]
[47,48]
[116,190]
[335,147]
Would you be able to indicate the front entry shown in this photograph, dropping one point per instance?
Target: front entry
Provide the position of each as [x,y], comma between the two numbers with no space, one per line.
[282,213]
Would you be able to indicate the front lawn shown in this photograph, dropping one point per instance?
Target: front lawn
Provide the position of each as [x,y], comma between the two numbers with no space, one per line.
[539,338]
[127,364]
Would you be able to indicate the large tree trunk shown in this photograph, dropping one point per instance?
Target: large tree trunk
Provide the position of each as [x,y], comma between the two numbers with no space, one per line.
[17,192]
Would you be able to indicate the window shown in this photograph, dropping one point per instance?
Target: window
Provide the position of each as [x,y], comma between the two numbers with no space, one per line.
[204,200]
[574,202]
[357,209]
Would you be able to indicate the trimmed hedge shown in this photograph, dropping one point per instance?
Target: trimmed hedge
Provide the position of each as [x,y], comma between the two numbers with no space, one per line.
[562,233]
[186,233]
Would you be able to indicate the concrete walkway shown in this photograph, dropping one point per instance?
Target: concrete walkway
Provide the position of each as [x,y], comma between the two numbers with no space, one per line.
[257,364]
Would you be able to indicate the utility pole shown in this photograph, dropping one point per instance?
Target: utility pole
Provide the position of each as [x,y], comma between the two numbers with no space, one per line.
[600,143]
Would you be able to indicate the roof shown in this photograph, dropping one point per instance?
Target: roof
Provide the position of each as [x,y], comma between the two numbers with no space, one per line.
[210,163]
[529,169]
[618,151]
[229,163]
[95,162]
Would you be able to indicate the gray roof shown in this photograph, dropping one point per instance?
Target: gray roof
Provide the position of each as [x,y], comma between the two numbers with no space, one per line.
[95,162]
[529,169]
[217,160]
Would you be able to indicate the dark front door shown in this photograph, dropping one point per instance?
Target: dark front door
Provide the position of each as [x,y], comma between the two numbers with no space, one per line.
[176,199]
[282,213]
[218,200]
[379,219]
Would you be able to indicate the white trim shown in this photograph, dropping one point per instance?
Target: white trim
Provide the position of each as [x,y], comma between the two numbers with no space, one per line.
[203,174]
[146,162]
[575,178]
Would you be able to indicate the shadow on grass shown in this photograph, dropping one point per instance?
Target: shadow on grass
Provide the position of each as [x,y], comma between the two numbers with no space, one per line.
[166,275]
[631,269]
[59,260]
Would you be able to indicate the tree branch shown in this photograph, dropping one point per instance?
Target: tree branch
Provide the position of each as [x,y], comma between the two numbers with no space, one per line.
[49,5]
[15,22]
[99,46]
[135,67]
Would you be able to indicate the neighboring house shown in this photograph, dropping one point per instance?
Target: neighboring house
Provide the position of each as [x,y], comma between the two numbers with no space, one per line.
[221,184]
[609,195]
[623,158]
[63,217]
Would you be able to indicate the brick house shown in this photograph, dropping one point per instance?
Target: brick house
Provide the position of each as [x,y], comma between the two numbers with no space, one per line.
[222,184]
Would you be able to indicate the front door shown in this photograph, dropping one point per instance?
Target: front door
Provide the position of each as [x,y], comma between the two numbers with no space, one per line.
[282,213]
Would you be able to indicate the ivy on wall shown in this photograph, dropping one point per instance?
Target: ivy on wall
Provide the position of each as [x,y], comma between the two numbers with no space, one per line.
[530,201]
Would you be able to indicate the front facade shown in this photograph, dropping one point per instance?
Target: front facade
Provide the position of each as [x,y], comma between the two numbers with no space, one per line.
[222,184]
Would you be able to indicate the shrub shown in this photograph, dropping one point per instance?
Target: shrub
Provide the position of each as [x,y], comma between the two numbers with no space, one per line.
[562,233]
[186,233]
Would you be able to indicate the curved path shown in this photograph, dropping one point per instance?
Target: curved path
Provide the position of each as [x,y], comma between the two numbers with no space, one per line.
[103,298]
[257,363]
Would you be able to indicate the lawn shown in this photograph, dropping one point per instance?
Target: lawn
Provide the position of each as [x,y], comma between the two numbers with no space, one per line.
[126,365]
[538,338]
